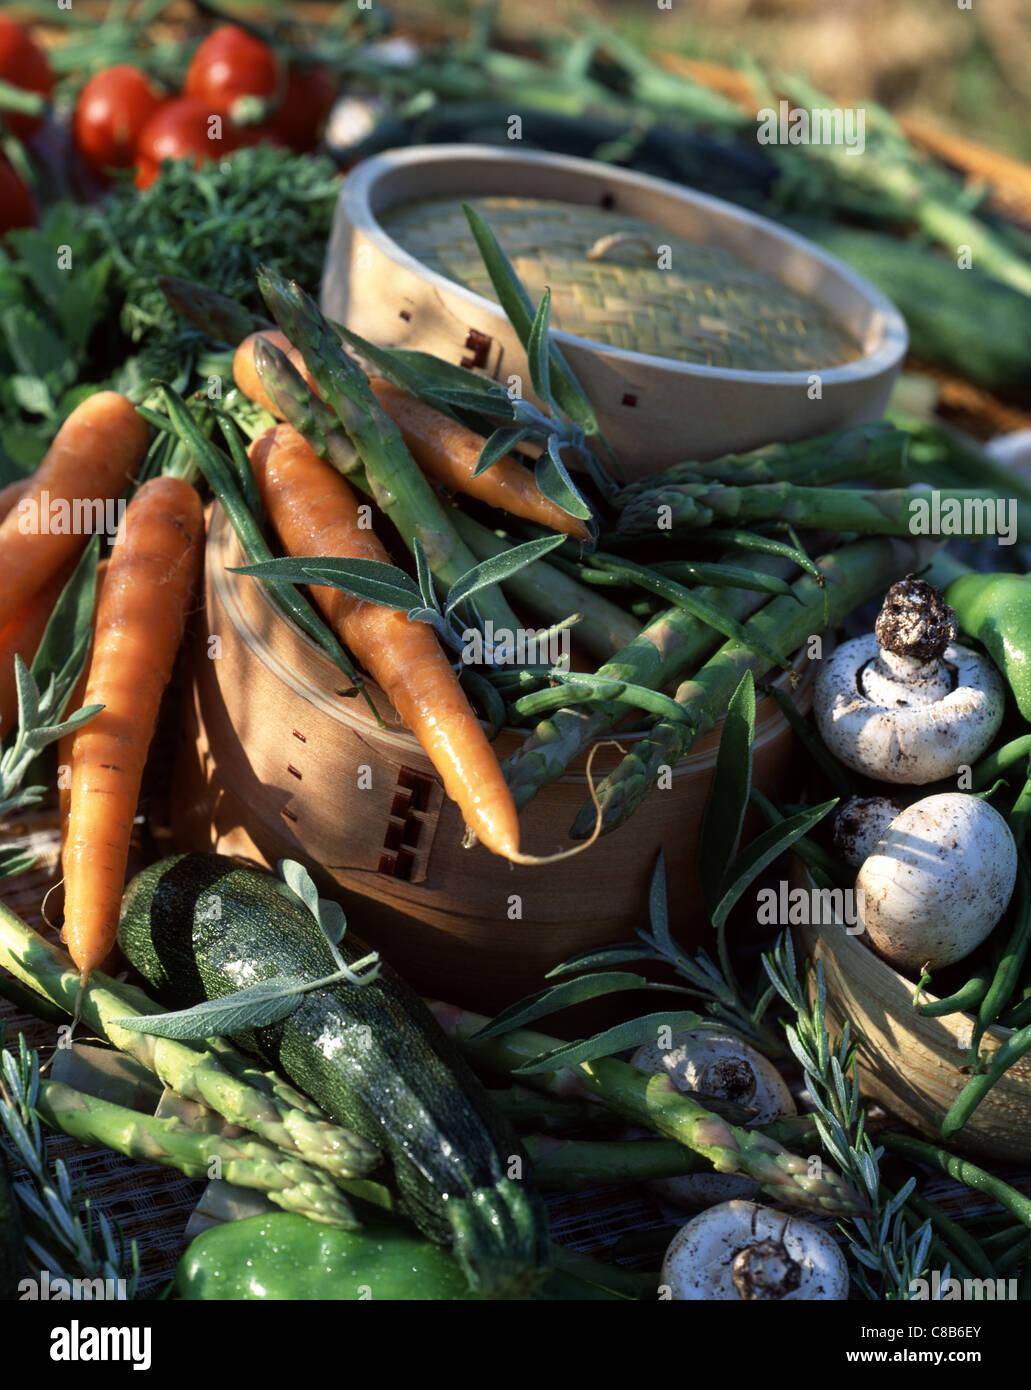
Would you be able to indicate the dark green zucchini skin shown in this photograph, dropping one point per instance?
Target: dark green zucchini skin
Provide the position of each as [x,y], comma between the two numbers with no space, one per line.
[200,926]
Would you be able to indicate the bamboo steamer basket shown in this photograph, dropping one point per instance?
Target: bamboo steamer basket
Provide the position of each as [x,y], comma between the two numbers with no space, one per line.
[654,410]
[909,1063]
[274,762]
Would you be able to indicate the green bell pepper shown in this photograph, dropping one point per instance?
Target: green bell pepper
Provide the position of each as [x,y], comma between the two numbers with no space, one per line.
[286,1257]
[996,610]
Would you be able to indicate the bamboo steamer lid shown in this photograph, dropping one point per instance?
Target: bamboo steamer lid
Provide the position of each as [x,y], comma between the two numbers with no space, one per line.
[631,283]
[618,319]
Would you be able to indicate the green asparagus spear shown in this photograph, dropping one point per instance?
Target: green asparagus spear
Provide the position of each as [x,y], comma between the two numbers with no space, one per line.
[213,313]
[890,512]
[671,644]
[852,575]
[862,453]
[567,1165]
[655,1102]
[189,1069]
[310,416]
[399,487]
[289,1182]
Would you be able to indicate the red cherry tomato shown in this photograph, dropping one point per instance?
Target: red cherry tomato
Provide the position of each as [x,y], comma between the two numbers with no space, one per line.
[16,206]
[112,110]
[307,102]
[24,64]
[231,63]
[185,129]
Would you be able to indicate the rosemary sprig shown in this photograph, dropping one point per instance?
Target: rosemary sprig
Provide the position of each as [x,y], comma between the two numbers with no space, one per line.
[43,694]
[75,1241]
[888,1253]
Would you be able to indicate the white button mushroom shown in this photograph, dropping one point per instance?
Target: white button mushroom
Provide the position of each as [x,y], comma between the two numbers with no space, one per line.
[742,1251]
[906,703]
[860,824]
[716,1064]
[938,882]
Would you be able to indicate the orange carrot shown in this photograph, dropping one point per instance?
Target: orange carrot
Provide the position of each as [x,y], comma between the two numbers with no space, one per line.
[93,457]
[245,374]
[315,512]
[443,449]
[12,494]
[448,452]
[21,637]
[147,593]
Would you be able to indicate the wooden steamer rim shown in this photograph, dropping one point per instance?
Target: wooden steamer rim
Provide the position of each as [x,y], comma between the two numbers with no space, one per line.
[911,1063]
[685,409]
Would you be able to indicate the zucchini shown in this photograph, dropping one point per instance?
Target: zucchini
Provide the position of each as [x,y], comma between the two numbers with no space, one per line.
[199,926]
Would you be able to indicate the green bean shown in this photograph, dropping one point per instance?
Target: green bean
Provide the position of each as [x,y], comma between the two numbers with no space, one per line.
[244,472]
[977,1087]
[1012,963]
[1011,1253]
[954,1235]
[1021,812]
[964,1000]
[682,597]
[1020,1015]
[961,1170]
[764,545]
[720,576]
[989,768]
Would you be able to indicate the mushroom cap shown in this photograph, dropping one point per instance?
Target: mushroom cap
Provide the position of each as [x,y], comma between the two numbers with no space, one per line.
[717,1064]
[860,824]
[792,1259]
[938,882]
[897,735]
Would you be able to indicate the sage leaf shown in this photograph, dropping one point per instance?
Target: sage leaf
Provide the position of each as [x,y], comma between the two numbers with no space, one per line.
[613,1040]
[498,568]
[728,798]
[257,1006]
[563,996]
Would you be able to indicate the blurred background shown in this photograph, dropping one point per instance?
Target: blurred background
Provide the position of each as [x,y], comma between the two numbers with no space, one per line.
[968,70]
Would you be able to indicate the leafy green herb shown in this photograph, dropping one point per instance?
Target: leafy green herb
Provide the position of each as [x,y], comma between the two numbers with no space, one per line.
[214,225]
[888,1253]
[721,1000]
[65,1234]
[379,582]
[728,799]
[44,692]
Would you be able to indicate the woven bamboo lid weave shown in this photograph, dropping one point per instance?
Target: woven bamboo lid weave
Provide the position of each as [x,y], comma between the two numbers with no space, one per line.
[621,280]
